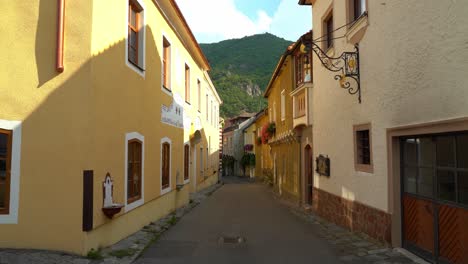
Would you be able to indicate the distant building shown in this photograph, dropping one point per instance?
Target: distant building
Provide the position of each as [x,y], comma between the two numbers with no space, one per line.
[233,141]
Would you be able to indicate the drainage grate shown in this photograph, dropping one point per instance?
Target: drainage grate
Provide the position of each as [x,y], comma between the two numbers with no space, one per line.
[231,240]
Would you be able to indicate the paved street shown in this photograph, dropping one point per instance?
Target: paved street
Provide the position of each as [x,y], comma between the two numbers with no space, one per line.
[255,227]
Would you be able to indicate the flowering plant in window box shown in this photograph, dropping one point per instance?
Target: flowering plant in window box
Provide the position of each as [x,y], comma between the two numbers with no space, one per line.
[267,132]
[272,128]
[248,147]
[259,140]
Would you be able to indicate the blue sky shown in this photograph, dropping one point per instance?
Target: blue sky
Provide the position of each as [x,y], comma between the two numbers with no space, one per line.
[217,20]
[251,7]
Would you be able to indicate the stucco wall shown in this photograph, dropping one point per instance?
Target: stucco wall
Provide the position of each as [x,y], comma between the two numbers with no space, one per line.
[412,57]
[78,120]
[53,109]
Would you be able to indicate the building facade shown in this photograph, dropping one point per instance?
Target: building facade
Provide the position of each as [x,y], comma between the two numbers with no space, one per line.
[233,142]
[289,131]
[397,147]
[263,164]
[98,88]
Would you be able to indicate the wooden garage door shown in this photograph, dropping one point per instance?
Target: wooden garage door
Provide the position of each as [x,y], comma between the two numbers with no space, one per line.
[435,196]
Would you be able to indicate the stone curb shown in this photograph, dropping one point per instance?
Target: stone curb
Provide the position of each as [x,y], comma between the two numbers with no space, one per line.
[125,251]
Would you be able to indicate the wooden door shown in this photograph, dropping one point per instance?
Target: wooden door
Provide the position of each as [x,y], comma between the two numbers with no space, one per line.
[418,220]
[435,196]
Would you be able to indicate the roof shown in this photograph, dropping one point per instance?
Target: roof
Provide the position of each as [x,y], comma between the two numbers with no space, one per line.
[173,5]
[304,2]
[252,120]
[291,48]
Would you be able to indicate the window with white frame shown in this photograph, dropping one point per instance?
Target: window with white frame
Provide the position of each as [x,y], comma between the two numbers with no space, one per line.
[134,170]
[166,64]
[165,165]
[10,154]
[283,106]
[136,36]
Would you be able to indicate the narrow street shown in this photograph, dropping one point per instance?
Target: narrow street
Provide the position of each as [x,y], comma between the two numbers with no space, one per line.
[270,232]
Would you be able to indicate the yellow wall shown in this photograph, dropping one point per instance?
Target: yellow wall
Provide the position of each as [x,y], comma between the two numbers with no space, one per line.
[262,151]
[287,162]
[77,120]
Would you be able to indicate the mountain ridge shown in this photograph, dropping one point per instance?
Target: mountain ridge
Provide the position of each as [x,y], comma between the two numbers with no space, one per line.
[241,69]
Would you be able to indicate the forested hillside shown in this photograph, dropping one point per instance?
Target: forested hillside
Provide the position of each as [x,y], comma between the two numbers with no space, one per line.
[241,69]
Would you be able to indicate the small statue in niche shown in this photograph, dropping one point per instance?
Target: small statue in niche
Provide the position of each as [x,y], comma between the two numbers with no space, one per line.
[108,191]
[109,207]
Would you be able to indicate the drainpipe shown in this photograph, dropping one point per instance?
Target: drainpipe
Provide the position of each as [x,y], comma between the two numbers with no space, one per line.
[60,35]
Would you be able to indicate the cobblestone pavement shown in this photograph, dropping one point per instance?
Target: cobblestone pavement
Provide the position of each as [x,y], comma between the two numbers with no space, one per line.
[353,247]
[124,252]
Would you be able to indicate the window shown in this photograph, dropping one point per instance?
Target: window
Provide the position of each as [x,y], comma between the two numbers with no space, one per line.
[436,167]
[186,163]
[207,114]
[283,106]
[274,112]
[165,165]
[302,68]
[187,83]
[328,28]
[5,168]
[136,31]
[212,113]
[363,151]
[357,8]
[10,157]
[199,94]
[166,71]
[134,170]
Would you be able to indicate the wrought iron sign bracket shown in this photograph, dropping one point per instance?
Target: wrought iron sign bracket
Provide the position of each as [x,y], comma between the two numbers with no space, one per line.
[346,67]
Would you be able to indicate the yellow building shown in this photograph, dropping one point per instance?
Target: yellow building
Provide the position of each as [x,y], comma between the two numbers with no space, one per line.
[288,92]
[263,164]
[95,88]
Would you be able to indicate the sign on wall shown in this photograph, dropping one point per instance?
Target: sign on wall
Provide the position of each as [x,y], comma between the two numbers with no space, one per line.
[174,113]
[322,165]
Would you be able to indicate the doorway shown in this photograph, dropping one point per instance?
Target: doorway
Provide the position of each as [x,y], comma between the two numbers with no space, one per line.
[434,170]
[309,175]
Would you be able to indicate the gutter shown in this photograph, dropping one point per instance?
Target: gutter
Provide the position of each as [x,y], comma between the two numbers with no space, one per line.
[60,35]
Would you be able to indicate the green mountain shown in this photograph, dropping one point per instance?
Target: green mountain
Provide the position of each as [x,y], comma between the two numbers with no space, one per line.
[241,69]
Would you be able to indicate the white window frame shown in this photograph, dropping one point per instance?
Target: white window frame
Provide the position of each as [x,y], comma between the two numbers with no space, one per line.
[283,105]
[274,112]
[15,127]
[168,92]
[168,189]
[142,39]
[139,202]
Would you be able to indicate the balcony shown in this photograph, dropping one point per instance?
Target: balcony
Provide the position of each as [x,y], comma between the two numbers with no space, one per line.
[301,104]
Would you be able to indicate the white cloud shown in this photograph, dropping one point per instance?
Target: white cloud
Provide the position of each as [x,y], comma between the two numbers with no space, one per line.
[291,20]
[216,20]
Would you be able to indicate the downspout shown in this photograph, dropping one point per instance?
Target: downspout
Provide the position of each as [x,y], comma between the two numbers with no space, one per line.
[60,35]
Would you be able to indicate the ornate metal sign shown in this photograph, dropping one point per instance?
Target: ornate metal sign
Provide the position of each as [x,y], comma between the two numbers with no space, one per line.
[346,66]
[322,165]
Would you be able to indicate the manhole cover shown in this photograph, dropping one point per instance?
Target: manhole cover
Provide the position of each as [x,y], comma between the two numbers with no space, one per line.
[231,240]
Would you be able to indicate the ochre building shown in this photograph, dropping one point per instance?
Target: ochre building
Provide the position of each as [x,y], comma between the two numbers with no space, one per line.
[96,88]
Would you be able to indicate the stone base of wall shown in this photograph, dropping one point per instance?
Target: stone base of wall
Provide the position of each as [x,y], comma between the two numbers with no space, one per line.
[288,196]
[353,215]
